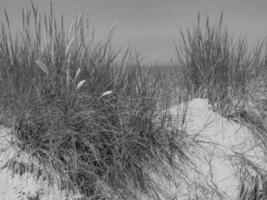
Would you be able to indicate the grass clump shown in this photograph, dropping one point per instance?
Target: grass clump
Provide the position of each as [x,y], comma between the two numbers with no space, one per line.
[232,77]
[216,66]
[84,112]
[227,72]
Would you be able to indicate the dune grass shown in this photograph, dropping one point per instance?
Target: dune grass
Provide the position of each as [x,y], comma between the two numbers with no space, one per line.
[86,111]
[232,76]
[226,71]
[97,116]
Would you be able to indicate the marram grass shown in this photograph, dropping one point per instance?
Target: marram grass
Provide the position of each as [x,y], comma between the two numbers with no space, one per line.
[97,117]
[86,111]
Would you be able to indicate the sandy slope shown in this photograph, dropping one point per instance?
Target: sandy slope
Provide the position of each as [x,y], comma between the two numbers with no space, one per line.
[217,158]
[221,147]
[29,185]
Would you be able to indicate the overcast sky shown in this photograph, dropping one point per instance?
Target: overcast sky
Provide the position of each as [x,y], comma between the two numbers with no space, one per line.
[151,26]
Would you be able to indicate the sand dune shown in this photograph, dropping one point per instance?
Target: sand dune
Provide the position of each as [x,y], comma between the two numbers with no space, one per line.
[220,147]
[224,153]
[19,175]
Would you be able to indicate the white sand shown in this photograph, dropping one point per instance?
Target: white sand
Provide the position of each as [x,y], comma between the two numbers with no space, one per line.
[16,187]
[216,163]
[219,161]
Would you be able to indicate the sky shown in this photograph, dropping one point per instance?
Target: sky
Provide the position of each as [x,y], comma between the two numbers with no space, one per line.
[152,26]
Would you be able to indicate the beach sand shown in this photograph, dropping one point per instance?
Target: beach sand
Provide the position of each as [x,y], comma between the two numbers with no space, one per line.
[220,147]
